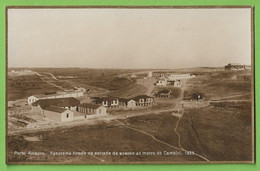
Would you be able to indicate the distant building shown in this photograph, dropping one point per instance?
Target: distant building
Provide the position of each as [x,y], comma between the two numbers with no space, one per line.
[144,100]
[109,102]
[133,76]
[58,114]
[194,97]
[161,82]
[165,93]
[54,95]
[92,109]
[174,83]
[129,103]
[159,74]
[236,66]
[180,76]
[177,83]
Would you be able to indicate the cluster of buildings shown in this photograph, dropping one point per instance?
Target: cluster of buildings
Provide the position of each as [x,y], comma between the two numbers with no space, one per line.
[130,103]
[164,93]
[237,67]
[67,109]
[165,79]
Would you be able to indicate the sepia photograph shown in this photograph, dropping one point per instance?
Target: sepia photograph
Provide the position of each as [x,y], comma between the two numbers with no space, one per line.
[129,85]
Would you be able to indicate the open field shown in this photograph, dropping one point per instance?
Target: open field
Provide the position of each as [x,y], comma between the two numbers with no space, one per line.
[220,84]
[97,138]
[24,86]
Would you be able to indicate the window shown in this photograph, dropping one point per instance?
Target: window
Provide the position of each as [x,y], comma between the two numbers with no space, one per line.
[68,115]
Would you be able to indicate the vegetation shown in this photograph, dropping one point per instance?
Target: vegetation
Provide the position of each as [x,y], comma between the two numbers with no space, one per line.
[24,86]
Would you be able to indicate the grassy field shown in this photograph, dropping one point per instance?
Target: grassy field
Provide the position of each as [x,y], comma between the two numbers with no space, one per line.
[218,132]
[103,137]
[128,91]
[24,86]
[220,83]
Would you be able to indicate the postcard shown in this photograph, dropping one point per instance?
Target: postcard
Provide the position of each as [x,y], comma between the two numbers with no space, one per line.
[129,85]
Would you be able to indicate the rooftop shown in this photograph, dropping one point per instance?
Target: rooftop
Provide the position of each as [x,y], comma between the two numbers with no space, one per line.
[109,98]
[164,91]
[90,105]
[142,97]
[58,102]
[55,109]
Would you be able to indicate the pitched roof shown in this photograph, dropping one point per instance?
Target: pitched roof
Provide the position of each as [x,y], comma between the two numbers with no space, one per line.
[58,102]
[109,98]
[90,105]
[164,91]
[142,97]
[55,109]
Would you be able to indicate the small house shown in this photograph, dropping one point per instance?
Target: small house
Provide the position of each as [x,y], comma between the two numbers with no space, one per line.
[129,103]
[165,93]
[144,100]
[109,102]
[161,82]
[194,97]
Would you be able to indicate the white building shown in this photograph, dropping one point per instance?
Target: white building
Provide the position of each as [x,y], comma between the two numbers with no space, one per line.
[55,95]
[180,76]
[177,83]
[161,82]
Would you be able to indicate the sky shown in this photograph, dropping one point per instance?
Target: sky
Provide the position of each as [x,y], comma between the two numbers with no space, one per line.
[129,38]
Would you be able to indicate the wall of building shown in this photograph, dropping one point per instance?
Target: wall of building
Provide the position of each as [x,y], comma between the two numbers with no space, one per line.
[67,116]
[161,83]
[52,115]
[101,110]
[91,111]
[131,104]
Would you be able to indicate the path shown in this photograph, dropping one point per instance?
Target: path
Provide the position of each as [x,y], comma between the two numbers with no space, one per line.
[162,142]
[44,78]
[178,134]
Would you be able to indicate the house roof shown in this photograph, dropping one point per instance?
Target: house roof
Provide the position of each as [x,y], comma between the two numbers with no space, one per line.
[55,109]
[142,97]
[125,100]
[58,102]
[164,91]
[110,98]
[90,105]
